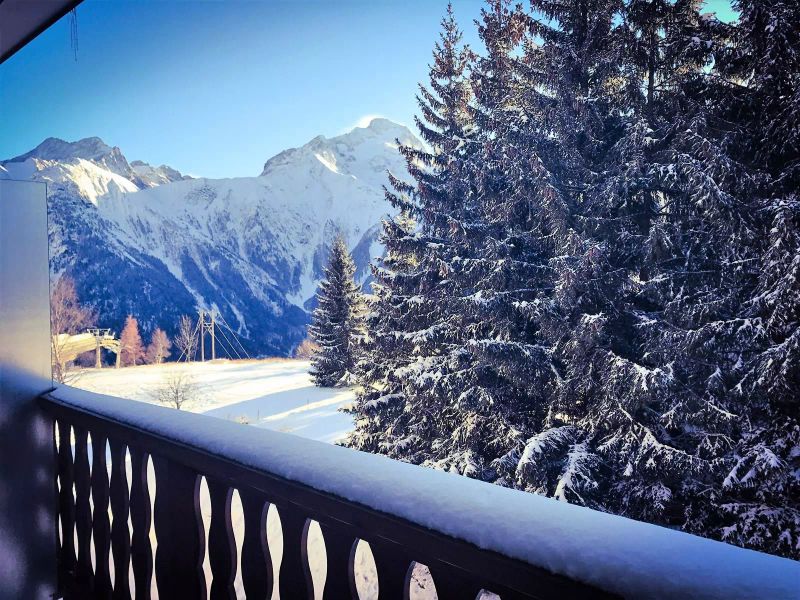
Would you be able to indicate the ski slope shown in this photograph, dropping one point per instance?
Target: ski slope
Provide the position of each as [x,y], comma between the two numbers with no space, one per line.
[274,393]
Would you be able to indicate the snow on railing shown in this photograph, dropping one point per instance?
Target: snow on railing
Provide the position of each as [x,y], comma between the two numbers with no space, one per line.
[471,535]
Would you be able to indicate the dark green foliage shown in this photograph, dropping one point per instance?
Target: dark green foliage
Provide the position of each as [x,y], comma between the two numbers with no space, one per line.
[593,289]
[337,323]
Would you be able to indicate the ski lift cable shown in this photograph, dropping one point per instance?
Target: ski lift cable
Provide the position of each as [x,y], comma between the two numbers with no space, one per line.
[230,344]
[236,339]
[222,347]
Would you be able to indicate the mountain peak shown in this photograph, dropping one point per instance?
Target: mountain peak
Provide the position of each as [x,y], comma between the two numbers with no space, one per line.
[150,176]
[379,124]
[364,152]
[58,153]
[90,148]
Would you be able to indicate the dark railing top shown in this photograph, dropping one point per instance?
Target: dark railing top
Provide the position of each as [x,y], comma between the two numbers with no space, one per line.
[474,525]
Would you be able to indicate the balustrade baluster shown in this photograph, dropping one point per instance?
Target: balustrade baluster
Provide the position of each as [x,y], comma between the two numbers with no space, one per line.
[56,520]
[83,514]
[340,550]
[101,526]
[257,575]
[141,550]
[221,543]
[179,531]
[294,580]
[66,509]
[120,536]
[393,565]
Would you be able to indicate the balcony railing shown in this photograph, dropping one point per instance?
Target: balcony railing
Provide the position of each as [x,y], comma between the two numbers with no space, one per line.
[472,537]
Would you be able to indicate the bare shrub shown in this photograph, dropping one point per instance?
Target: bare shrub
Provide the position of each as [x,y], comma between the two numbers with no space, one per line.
[86,360]
[178,390]
[67,316]
[186,340]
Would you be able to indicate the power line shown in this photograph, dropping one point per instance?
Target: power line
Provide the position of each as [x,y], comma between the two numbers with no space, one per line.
[222,331]
[216,322]
[233,333]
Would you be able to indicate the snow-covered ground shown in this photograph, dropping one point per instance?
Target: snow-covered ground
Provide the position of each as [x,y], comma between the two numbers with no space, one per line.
[274,393]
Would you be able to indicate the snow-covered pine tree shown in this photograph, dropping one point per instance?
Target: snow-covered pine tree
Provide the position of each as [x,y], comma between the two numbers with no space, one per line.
[379,411]
[338,321]
[589,323]
[504,279]
[602,331]
[404,395]
[662,210]
[759,501]
[698,273]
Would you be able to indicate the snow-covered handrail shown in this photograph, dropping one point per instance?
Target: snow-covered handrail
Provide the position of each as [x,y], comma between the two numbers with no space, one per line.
[470,534]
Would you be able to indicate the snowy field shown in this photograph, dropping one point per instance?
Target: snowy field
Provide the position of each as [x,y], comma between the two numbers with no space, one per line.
[274,393]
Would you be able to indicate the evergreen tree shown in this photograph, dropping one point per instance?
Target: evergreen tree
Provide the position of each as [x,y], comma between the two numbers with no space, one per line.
[505,283]
[659,434]
[700,271]
[592,288]
[589,322]
[415,281]
[337,323]
[381,417]
[451,385]
[759,500]
[131,347]
[404,393]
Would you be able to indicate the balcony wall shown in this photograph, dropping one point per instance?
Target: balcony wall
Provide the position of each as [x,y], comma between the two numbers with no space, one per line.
[27,544]
[471,535]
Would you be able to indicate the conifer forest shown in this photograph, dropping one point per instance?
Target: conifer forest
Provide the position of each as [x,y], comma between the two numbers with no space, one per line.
[591,285]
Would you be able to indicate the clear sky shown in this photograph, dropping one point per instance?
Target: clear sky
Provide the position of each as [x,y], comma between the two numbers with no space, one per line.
[215,88]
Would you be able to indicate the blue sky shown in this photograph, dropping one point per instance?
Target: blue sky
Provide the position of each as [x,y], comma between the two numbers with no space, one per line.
[216,88]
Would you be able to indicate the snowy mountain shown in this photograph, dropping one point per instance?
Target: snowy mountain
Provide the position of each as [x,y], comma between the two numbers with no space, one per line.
[154,243]
[153,176]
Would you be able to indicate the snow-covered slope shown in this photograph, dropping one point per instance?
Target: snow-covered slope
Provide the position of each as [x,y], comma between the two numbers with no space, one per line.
[88,169]
[152,176]
[79,177]
[151,242]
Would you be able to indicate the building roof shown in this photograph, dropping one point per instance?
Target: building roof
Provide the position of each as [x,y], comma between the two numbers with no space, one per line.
[22,20]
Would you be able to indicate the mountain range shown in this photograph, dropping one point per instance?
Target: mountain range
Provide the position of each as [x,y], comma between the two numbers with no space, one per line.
[151,242]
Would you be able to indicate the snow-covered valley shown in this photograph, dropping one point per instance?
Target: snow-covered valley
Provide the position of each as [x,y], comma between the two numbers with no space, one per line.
[273,394]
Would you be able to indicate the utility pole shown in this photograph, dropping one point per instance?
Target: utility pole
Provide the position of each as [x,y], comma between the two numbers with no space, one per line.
[207,326]
[213,347]
[202,335]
